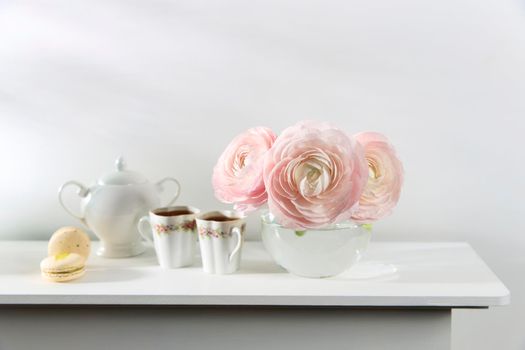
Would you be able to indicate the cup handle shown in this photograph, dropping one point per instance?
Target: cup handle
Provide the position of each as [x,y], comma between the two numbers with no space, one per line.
[82,192]
[147,236]
[161,188]
[237,232]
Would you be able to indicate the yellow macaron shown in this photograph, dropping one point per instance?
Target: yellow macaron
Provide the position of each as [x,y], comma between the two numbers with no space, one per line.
[63,267]
[69,239]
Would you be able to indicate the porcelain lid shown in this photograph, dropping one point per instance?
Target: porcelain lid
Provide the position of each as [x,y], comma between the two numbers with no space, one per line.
[122,176]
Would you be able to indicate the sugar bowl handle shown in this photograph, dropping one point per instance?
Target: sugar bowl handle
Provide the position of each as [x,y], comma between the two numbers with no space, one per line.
[82,192]
[161,188]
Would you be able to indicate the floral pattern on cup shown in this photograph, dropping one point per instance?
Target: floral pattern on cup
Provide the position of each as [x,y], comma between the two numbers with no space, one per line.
[186,226]
[217,233]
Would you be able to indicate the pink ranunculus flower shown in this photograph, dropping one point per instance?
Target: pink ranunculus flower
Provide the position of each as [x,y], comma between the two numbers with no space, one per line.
[237,176]
[385,178]
[314,175]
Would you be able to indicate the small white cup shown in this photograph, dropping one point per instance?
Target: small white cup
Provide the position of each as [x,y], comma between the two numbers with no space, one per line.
[173,231]
[221,238]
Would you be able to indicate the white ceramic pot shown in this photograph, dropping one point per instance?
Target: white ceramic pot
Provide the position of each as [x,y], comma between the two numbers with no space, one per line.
[112,207]
[315,253]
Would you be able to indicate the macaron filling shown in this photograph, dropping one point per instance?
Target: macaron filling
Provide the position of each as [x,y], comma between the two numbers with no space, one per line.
[63,272]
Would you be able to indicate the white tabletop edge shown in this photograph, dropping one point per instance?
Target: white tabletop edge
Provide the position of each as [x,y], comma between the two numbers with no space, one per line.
[212,300]
[474,284]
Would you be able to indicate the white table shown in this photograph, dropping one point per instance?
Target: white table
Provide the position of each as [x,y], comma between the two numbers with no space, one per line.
[399,297]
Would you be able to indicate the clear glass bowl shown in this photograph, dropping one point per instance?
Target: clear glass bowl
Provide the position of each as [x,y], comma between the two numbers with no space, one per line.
[315,253]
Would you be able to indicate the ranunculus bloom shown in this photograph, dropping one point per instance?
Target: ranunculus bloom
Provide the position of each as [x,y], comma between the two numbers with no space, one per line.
[385,178]
[314,175]
[237,176]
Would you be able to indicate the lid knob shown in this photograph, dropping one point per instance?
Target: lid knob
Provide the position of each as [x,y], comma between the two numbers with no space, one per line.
[120,164]
[122,176]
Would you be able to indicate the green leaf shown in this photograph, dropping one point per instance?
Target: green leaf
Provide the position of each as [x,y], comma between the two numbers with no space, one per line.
[367,227]
[300,233]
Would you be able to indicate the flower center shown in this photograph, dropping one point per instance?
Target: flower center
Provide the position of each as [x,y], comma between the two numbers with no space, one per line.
[374,171]
[241,160]
[312,178]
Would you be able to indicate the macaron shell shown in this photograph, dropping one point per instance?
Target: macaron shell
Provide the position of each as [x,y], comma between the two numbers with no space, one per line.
[71,240]
[62,262]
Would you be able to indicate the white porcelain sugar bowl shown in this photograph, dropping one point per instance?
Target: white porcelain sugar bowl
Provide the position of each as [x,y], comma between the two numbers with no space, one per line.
[112,207]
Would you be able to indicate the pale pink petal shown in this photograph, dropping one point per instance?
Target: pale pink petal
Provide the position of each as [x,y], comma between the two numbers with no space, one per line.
[237,176]
[314,176]
[385,179]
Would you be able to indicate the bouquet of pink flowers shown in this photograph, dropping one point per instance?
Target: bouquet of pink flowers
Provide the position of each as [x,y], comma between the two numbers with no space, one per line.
[312,175]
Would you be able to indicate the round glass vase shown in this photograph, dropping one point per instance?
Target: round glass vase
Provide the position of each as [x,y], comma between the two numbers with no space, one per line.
[315,253]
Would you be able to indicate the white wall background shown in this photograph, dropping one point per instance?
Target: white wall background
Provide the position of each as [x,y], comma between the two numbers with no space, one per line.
[169,83]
